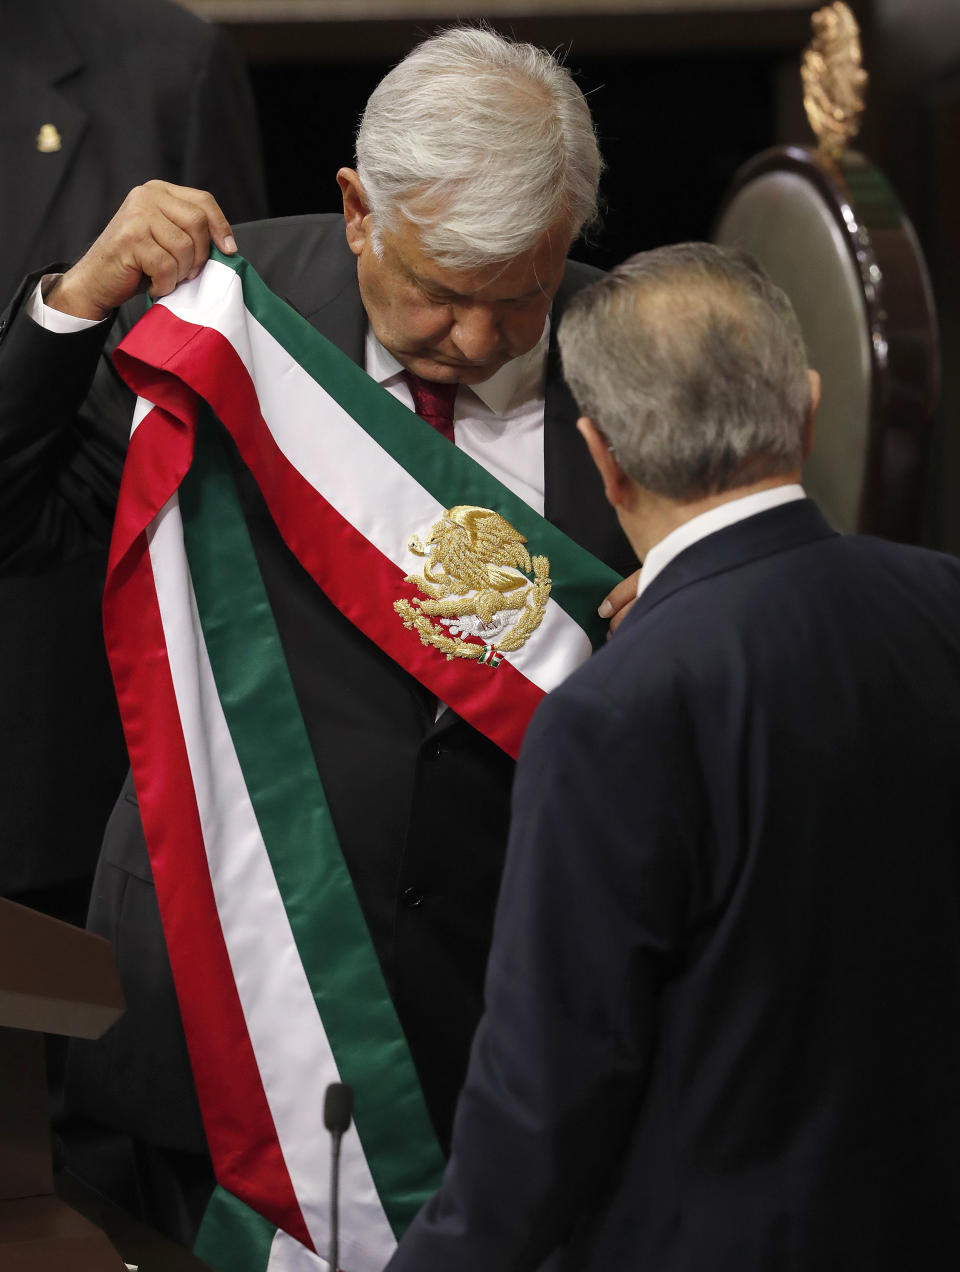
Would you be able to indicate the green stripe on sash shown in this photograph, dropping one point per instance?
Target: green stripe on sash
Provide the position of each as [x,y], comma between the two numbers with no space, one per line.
[258,699]
[232,1237]
[579,579]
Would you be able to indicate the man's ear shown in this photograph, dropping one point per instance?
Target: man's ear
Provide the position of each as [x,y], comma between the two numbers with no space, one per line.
[356,213]
[808,427]
[616,484]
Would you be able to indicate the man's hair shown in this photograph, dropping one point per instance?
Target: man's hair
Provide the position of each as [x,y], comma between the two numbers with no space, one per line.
[485,144]
[692,364]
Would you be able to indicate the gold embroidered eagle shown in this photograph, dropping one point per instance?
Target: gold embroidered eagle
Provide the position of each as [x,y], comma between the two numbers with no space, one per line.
[476,583]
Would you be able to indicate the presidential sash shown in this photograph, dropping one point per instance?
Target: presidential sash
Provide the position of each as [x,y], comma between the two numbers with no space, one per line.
[481,599]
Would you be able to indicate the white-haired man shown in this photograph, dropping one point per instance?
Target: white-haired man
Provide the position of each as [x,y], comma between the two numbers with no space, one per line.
[477,167]
[721,1022]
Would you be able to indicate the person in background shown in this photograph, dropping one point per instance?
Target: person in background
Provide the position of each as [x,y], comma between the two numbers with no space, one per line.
[722,1025]
[95,96]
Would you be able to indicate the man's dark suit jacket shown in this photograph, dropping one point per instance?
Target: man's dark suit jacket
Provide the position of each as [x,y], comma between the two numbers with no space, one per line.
[133,91]
[723,999]
[420,807]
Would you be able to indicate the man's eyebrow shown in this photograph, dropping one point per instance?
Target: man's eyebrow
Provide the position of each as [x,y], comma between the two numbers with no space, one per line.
[431,284]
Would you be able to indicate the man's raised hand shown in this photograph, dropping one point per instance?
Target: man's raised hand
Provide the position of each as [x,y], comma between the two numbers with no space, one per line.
[159,236]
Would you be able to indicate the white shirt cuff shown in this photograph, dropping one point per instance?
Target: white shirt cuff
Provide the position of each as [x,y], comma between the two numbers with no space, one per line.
[53,319]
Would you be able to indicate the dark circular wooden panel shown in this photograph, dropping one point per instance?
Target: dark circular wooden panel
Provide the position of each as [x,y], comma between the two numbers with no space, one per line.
[835,238]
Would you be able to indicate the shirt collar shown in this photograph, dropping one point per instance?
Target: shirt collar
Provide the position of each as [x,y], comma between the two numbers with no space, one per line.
[520,380]
[725,514]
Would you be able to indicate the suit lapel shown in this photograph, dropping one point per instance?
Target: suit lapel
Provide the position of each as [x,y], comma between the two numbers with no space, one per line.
[338,314]
[33,101]
[766,533]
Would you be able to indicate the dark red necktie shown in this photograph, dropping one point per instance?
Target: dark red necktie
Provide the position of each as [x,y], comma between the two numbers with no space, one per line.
[433,402]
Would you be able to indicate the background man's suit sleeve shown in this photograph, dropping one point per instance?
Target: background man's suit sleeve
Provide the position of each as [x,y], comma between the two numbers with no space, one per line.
[222,151]
[590,917]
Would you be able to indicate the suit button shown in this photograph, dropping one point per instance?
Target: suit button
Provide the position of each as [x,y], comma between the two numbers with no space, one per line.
[411,897]
[432,751]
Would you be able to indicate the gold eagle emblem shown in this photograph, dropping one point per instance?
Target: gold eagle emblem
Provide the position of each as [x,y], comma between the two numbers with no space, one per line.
[478,599]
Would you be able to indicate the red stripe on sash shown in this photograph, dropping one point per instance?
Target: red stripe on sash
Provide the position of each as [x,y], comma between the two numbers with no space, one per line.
[247,1157]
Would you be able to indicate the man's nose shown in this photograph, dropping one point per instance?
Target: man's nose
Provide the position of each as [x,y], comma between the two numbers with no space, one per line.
[476,332]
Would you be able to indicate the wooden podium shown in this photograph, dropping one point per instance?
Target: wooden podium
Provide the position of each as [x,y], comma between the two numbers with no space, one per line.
[54,978]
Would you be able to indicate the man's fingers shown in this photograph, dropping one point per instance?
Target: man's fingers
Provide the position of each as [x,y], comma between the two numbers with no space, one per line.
[196,211]
[220,230]
[621,596]
[173,255]
[167,262]
[162,232]
[180,221]
[620,615]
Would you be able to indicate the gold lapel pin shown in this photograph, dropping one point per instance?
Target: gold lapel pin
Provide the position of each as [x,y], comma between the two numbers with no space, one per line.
[48,139]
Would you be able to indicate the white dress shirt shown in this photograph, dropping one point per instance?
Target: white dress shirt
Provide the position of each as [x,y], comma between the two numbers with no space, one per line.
[498,423]
[52,319]
[725,514]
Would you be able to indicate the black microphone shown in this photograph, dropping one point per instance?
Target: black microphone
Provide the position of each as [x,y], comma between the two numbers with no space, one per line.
[337,1112]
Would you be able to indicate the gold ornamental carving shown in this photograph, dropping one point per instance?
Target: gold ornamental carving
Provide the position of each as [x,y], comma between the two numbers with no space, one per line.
[834,81]
[478,581]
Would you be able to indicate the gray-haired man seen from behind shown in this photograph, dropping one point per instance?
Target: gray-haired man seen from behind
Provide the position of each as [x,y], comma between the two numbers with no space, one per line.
[477,168]
[722,1026]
